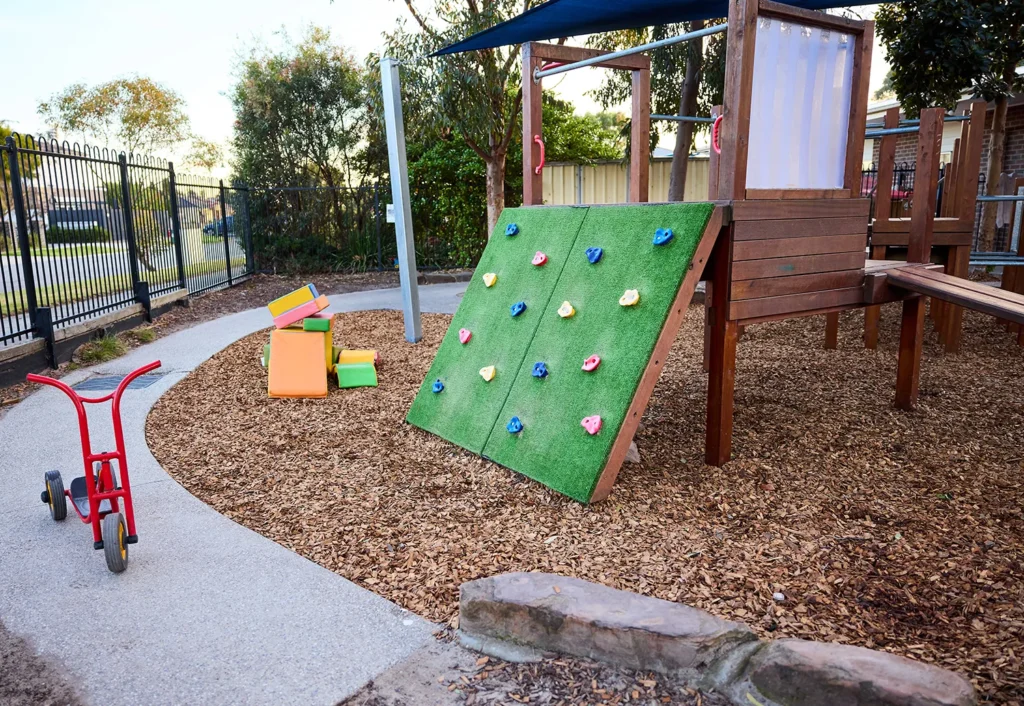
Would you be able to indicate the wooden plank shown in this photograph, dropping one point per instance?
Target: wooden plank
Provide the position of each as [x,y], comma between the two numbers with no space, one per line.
[832,330]
[872,314]
[788,247]
[800,314]
[902,225]
[640,157]
[886,165]
[799,228]
[798,284]
[986,303]
[939,277]
[714,160]
[657,361]
[565,54]
[959,260]
[878,289]
[847,25]
[533,181]
[736,97]
[752,308]
[971,167]
[938,239]
[926,179]
[908,369]
[786,266]
[795,194]
[813,208]
[858,108]
[721,361]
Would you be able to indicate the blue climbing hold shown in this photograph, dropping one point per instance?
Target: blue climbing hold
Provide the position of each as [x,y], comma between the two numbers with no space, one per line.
[594,255]
[514,426]
[540,370]
[437,386]
[518,308]
[511,229]
[662,236]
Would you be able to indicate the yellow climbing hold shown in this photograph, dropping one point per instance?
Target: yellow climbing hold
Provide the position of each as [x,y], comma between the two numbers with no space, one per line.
[630,298]
[489,279]
[488,373]
[566,311]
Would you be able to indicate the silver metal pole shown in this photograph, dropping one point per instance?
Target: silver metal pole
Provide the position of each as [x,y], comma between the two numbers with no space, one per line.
[395,125]
[870,134]
[538,74]
[1001,198]
[683,118]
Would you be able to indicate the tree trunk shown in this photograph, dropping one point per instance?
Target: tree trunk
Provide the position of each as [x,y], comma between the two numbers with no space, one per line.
[687,106]
[996,152]
[495,189]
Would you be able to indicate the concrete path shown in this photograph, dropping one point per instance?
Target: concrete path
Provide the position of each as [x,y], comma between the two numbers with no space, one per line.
[208,612]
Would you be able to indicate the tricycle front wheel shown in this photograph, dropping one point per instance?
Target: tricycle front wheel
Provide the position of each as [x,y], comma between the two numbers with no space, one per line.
[54,495]
[115,542]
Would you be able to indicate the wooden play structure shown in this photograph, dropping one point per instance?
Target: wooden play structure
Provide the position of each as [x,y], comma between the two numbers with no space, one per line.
[788,236]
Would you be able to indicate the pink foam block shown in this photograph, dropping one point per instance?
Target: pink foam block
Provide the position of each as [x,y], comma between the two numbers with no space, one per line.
[297,314]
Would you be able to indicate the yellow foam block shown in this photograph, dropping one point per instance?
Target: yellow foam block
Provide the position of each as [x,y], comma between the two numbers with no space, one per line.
[291,300]
[350,357]
[296,360]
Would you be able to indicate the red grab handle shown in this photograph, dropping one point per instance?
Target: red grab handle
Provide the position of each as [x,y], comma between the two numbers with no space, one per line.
[715,133]
[539,167]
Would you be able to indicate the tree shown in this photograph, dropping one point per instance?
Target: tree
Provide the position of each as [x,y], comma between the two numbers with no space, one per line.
[939,48]
[299,118]
[476,94]
[686,79]
[135,114]
[886,90]
[204,155]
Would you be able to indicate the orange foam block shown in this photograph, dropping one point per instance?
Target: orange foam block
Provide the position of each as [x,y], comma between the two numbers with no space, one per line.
[296,315]
[296,367]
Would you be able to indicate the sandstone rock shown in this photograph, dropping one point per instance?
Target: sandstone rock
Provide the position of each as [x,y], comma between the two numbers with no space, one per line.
[802,672]
[560,614]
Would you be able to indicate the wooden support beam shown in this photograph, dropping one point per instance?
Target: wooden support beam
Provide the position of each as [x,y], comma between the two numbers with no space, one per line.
[832,331]
[724,335]
[533,181]
[566,54]
[959,260]
[858,108]
[908,372]
[640,138]
[886,166]
[739,82]
[873,314]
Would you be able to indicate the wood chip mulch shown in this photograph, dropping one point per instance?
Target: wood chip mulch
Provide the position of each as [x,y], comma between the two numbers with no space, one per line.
[896,531]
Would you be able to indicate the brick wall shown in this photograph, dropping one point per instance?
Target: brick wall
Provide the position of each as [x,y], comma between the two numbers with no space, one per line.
[1014,159]
[906,149]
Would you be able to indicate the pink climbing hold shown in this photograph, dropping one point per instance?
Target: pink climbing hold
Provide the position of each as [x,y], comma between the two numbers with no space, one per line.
[592,424]
[464,335]
[540,258]
[591,363]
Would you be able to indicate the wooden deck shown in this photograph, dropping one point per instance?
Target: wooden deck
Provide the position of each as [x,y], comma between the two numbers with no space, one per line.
[955,290]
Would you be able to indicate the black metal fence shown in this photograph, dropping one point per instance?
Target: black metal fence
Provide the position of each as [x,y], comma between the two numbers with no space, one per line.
[86,231]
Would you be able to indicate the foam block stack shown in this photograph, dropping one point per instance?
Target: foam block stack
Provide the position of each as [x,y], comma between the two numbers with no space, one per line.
[301,355]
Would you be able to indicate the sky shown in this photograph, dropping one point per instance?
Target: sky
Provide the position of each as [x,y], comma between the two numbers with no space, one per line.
[193,48]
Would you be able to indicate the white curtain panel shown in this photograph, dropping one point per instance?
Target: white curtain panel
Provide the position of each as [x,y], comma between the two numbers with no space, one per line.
[800,107]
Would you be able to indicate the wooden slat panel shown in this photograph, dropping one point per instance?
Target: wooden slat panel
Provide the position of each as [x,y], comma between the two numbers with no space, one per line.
[787,247]
[902,225]
[796,194]
[902,239]
[804,208]
[798,284]
[799,228]
[804,265]
[771,306]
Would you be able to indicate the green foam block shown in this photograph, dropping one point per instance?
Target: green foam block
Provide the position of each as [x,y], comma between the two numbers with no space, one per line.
[553,447]
[316,324]
[266,355]
[356,375]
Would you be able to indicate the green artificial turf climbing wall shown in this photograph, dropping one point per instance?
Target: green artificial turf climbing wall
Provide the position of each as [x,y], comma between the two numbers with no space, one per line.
[553,447]
[465,411]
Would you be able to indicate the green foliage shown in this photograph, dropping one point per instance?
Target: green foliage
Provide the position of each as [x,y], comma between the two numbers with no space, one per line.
[135,113]
[102,349]
[938,48]
[886,90]
[59,235]
[204,155]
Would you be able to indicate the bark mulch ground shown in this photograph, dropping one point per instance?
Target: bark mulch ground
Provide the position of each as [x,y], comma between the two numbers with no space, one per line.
[26,679]
[890,530]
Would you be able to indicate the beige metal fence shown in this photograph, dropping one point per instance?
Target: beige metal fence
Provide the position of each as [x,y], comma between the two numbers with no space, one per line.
[608,182]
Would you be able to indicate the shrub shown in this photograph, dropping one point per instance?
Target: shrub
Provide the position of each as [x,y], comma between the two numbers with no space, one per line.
[58,235]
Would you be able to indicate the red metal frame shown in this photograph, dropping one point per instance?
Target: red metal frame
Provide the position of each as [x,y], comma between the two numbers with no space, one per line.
[104,488]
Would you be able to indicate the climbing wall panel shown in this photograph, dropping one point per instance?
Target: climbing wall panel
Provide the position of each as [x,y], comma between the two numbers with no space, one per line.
[548,440]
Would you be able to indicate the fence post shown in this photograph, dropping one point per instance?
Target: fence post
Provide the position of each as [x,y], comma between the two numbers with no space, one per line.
[179,248]
[224,224]
[249,258]
[129,224]
[21,223]
[376,220]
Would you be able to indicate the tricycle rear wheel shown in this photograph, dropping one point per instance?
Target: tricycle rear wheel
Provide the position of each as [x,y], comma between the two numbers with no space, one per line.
[54,495]
[115,542]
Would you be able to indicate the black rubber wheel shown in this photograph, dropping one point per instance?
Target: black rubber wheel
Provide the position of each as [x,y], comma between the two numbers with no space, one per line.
[115,544]
[55,496]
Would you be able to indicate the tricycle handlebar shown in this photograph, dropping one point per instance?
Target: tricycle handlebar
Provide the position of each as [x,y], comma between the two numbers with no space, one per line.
[76,398]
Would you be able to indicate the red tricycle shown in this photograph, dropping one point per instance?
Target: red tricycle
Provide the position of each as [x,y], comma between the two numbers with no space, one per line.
[95,495]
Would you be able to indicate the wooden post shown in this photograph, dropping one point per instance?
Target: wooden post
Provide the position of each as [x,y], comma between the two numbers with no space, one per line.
[886,164]
[721,358]
[739,82]
[919,248]
[640,140]
[832,330]
[872,314]
[713,163]
[859,110]
[959,260]
[533,180]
